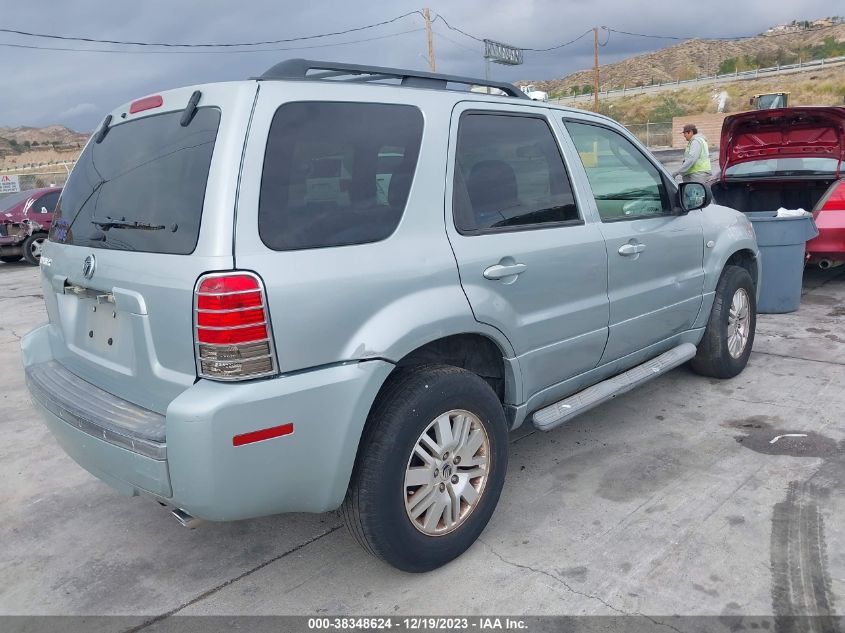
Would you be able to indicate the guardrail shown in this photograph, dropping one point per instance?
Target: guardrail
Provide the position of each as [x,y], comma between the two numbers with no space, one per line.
[66,165]
[734,76]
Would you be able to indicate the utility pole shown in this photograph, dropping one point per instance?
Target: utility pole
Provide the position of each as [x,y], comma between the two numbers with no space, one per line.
[431,63]
[596,69]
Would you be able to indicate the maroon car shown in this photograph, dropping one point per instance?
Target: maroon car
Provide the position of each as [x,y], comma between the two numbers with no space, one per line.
[25,220]
[792,158]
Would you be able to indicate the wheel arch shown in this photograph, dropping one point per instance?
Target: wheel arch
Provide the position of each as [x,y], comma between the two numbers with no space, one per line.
[476,352]
[472,351]
[745,258]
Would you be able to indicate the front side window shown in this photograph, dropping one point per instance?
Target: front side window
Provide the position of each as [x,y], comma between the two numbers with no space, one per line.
[626,185]
[509,174]
[337,174]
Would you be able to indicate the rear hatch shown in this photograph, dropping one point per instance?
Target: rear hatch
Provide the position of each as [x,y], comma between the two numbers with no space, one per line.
[147,209]
[794,141]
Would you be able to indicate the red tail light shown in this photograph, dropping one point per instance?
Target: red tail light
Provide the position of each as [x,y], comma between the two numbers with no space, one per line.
[834,200]
[232,334]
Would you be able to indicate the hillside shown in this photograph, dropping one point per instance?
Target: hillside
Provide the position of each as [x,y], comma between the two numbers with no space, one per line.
[821,86]
[20,140]
[33,147]
[699,57]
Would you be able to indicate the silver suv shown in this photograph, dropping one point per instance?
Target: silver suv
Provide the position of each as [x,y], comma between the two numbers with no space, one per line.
[341,286]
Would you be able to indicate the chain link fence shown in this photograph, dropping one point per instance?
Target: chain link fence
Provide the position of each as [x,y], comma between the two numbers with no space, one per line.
[51,176]
[652,134]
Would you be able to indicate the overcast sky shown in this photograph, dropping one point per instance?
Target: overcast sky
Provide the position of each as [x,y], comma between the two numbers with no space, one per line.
[42,87]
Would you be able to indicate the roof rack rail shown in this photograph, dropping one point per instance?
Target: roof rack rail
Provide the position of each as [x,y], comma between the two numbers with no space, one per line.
[300,68]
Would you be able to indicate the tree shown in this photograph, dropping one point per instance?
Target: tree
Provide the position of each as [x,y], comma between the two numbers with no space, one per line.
[728,66]
[587,89]
[574,91]
[26,143]
[35,143]
[667,110]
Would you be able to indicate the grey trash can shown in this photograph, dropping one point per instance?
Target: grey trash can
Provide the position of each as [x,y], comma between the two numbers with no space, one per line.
[782,244]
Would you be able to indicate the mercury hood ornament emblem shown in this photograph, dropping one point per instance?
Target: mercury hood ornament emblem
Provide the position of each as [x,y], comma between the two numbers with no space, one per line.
[89,266]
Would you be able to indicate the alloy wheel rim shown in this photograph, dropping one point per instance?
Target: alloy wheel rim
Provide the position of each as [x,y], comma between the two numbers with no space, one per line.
[35,248]
[447,472]
[739,323]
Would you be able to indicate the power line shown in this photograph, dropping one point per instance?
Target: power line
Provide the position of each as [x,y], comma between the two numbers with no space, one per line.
[224,45]
[350,30]
[449,39]
[204,52]
[454,28]
[524,48]
[553,48]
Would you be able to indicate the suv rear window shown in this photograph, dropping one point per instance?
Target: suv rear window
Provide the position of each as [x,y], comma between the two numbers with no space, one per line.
[337,173]
[152,173]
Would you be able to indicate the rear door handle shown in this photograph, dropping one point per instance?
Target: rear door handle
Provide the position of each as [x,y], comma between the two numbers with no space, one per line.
[631,249]
[500,271]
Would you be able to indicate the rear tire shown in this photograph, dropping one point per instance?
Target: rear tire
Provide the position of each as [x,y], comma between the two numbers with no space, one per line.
[406,503]
[10,259]
[729,336]
[32,247]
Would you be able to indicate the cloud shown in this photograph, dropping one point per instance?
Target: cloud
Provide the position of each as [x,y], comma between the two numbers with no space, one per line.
[77,110]
[41,87]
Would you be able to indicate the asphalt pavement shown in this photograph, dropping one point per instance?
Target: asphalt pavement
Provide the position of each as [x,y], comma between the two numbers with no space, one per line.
[676,498]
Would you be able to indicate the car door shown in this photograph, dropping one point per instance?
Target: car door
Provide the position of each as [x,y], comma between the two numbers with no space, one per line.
[655,250]
[530,262]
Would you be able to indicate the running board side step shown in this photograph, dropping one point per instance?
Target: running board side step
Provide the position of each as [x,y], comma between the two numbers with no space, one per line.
[556,414]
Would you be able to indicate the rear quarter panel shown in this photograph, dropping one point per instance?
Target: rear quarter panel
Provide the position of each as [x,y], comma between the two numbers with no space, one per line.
[379,300]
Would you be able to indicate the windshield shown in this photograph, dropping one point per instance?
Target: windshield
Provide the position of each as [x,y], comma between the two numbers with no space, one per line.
[16,198]
[147,172]
[785,167]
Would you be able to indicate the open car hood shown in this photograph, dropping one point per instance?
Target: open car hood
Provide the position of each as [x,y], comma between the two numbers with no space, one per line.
[803,132]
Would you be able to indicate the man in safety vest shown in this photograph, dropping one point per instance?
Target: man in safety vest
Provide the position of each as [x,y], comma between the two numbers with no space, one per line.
[696,165]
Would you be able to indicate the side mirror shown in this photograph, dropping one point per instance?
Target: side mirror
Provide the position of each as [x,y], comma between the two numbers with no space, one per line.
[694,195]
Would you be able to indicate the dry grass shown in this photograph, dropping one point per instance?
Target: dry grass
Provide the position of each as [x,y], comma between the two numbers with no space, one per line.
[821,87]
[32,160]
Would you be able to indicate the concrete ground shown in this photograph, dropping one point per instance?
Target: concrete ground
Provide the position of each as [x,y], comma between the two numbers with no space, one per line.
[669,500]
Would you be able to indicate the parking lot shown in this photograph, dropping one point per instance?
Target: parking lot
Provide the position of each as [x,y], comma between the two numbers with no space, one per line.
[673,499]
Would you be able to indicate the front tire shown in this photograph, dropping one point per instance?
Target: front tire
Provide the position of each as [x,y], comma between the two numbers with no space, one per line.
[32,248]
[729,336]
[430,468]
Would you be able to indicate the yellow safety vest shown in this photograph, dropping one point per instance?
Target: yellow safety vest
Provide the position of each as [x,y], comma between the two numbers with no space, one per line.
[703,162]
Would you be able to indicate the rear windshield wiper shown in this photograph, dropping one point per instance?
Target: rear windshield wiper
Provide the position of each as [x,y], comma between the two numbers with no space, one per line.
[113,223]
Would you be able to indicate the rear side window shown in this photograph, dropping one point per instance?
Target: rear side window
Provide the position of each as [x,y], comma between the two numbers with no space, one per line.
[142,188]
[509,175]
[47,202]
[337,173]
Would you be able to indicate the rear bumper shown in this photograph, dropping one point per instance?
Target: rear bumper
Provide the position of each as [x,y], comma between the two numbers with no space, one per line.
[830,243]
[199,469]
